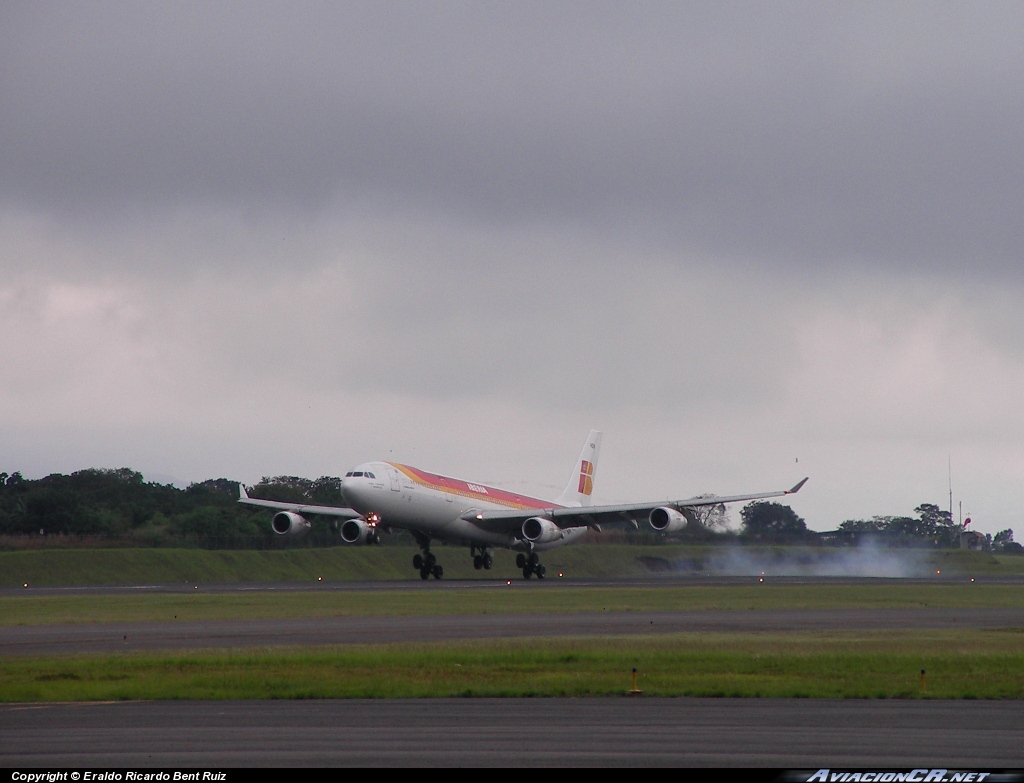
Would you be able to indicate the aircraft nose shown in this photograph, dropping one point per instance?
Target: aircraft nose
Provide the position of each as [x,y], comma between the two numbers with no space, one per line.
[346,484]
[354,486]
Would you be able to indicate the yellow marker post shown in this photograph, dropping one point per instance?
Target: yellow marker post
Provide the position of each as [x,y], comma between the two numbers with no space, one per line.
[635,691]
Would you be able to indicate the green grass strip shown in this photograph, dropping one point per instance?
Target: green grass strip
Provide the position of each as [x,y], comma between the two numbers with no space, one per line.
[501,599]
[68,567]
[971,664]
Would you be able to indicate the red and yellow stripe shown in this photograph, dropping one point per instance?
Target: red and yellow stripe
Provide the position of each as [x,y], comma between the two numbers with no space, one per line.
[468,489]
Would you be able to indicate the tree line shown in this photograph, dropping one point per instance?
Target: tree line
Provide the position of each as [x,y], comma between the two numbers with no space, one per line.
[931,524]
[775,523]
[121,505]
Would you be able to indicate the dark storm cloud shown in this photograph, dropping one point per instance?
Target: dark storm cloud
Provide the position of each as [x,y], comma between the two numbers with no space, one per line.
[246,239]
[891,134]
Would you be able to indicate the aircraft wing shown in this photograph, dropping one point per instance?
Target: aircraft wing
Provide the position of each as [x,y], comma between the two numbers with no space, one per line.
[298,508]
[595,516]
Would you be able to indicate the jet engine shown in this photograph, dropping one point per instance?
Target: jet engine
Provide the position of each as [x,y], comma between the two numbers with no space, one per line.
[356,531]
[288,523]
[538,530]
[667,520]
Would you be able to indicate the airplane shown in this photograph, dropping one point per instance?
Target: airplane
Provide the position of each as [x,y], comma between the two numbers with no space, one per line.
[388,495]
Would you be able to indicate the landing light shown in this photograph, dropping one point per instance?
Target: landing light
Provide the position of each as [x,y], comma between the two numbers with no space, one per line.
[937,571]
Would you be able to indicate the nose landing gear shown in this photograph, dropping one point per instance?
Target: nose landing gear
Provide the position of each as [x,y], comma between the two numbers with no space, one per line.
[427,564]
[531,565]
[482,560]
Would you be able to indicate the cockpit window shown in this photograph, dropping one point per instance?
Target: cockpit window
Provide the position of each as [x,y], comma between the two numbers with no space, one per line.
[349,474]
[370,475]
[357,474]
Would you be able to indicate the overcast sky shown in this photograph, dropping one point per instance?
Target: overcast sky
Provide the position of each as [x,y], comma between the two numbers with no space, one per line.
[749,242]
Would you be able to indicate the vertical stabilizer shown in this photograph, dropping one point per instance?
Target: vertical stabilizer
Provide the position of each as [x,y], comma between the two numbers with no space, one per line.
[581,482]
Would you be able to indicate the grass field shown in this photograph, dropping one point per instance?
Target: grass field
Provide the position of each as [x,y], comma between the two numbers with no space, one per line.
[881,664]
[959,664]
[68,567]
[502,599]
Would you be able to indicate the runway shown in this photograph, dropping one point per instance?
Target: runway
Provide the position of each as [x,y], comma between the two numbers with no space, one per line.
[778,733]
[552,583]
[121,637]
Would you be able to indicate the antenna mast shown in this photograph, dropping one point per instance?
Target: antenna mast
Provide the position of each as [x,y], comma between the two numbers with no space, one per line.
[950,466]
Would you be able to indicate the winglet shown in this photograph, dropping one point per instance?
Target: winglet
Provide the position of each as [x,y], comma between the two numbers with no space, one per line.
[243,495]
[797,487]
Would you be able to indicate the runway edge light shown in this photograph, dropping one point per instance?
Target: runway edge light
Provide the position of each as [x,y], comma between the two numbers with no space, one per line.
[634,691]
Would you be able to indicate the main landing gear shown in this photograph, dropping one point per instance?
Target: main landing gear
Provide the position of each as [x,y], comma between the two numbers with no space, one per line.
[531,565]
[427,563]
[482,557]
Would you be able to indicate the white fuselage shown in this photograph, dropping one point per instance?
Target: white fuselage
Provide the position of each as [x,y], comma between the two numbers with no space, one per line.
[440,507]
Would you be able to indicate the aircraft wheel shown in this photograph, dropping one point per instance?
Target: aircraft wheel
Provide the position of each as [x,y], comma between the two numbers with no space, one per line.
[540,571]
[527,571]
[488,562]
[520,560]
[478,562]
[437,571]
[424,573]
[533,559]
[417,561]
[429,561]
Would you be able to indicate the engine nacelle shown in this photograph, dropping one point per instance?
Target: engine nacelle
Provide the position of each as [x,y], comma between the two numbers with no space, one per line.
[356,531]
[667,520]
[538,530]
[288,523]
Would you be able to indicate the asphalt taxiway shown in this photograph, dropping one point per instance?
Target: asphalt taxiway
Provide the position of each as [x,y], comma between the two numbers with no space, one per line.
[625,731]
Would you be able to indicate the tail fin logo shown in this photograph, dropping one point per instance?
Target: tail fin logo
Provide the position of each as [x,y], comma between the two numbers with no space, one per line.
[586,477]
